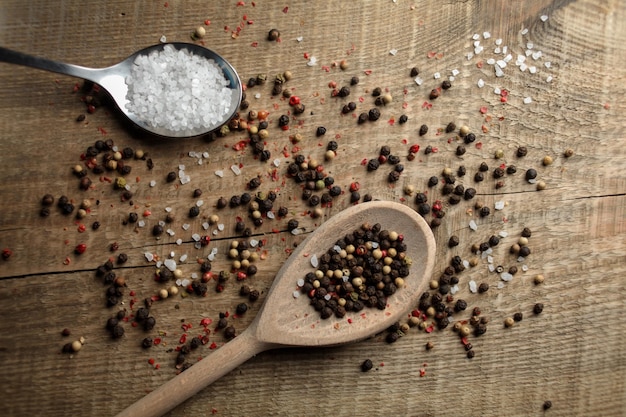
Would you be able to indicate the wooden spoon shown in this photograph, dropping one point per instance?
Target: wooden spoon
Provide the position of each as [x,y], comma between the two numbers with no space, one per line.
[287,321]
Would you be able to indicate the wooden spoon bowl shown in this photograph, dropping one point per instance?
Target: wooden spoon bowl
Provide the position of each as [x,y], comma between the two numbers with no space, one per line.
[288,321]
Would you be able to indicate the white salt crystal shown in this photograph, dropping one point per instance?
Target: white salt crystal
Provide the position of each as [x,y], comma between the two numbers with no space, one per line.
[270,215]
[314,261]
[501,63]
[473,225]
[520,259]
[532,69]
[276,162]
[170,264]
[480,83]
[205,154]
[163,39]
[454,289]
[497,91]
[500,285]
[152,183]
[549,79]
[478,49]
[490,259]
[503,233]
[199,161]
[168,209]
[455,72]
[418,80]
[337,248]
[196,237]
[475,36]
[523,67]
[296,232]
[141,223]
[469,56]
[179,282]
[497,50]
[186,226]
[185,179]
[214,232]
[524,267]
[498,41]
[179,242]
[491,61]
[524,31]
[504,49]
[486,35]
[300,282]
[505,276]
[235,169]
[498,69]
[327,297]
[529,45]
[536,55]
[544,17]
[528,52]
[466,263]
[199,203]
[149,256]
[451,78]
[205,226]
[491,267]
[183,258]
[436,76]
[499,205]
[473,287]
[220,227]
[547,64]
[185,282]
[253,243]
[296,294]
[528,100]
[520,59]
[170,232]
[312,61]
[393,52]
[374,245]
[219,173]
[172,254]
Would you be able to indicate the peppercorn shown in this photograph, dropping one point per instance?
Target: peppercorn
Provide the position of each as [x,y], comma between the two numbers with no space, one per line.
[568,153]
[531,174]
[521,151]
[518,316]
[453,241]
[547,405]
[392,337]
[483,288]
[367,365]
[229,333]
[363,117]
[320,131]
[117,331]
[373,114]
[484,211]
[171,176]
[538,308]
[450,127]
[434,93]
[377,92]
[470,354]
[498,172]
[423,130]
[414,72]
[524,251]
[273,35]
[478,177]
[242,308]
[526,232]
[403,119]
[354,80]
[344,92]
[508,322]
[460,305]
[446,85]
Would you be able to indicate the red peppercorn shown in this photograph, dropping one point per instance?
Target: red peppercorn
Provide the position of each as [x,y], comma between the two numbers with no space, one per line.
[355,186]
[80,248]
[414,148]
[294,100]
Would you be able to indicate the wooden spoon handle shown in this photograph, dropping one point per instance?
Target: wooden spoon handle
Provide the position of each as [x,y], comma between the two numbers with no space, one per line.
[201,374]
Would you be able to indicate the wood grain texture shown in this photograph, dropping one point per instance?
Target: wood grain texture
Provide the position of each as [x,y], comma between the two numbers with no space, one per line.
[572,354]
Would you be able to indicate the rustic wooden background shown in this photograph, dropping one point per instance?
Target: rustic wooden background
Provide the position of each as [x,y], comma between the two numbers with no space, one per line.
[572,354]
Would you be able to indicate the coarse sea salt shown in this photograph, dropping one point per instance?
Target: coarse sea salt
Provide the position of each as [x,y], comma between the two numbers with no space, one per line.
[178,91]
[473,287]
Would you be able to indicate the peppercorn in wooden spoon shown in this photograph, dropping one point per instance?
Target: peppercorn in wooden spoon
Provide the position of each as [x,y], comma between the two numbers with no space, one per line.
[288,320]
[173,90]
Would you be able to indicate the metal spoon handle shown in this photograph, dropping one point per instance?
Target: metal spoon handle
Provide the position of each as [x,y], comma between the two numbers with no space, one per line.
[19,58]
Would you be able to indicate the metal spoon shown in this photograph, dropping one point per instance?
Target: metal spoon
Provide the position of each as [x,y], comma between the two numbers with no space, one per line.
[113,80]
[288,321]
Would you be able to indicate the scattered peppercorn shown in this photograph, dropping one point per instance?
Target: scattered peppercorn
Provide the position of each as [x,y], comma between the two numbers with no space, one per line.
[423,130]
[367,365]
[538,308]
[273,35]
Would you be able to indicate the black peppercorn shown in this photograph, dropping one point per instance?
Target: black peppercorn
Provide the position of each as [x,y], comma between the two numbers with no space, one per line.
[320,131]
[470,354]
[531,174]
[469,138]
[461,171]
[498,173]
[460,305]
[521,151]
[373,114]
[478,177]
[146,343]
[194,211]
[117,331]
[292,224]
[446,85]
[377,92]
[433,181]
[157,230]
[511,169]
[494,240]
[363,117]
[47,200]
[171,176]
[547,405]
[434,93]
[354,80]
[450,127]
[423,209]
[518,316]
[484,211]
[344,92]
[453,241]
[373,164]
[241,308]
[229,333]
[423,130]
[538,308]
[392,337]
[469,193]
[414,72]
[403,119]
[524,251]
[366,365]
[483,287]
[273,35]
[393,176]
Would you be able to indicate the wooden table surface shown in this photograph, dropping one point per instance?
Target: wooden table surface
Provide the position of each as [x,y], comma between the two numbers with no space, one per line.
[570,96]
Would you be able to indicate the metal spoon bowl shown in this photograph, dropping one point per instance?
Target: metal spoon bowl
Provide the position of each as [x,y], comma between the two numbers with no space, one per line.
[113,80]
